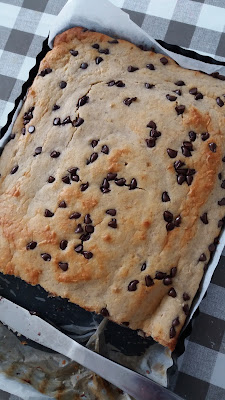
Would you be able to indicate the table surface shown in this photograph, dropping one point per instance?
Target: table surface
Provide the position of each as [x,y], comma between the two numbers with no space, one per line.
[192,24]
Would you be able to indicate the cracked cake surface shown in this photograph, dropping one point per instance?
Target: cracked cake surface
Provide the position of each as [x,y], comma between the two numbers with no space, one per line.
[112,185]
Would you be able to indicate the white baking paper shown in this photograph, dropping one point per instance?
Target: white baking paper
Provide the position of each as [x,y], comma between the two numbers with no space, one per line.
[102,16]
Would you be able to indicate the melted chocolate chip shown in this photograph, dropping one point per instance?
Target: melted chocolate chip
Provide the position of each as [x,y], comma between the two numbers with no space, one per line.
[205,136]
[168,216]
[111,212]
[95,46]
[177,221]
[104,312]
[219,102]
[79,229]
[94,143]
[66,179]
[105,149]
[150,66]
[149,281]
[83,65]
[128,101]
[176,322]
[120,182]
[74,53]
[172,332]
[172,293]
[212,147]
[167,281]
[165,197]
[111,176]
[133,286]
[55,107]
[46,256]
[170,97]
[193,91]
[171,153]
[62,204]
[113,223]
[82,101]
[48,213]
[186,309]
[186,296]
[75,215]
[93,157]
[221,202]
[192,136]
[170,226]
[56,121]
[78,248]
[55,154]
[133,184]
[132,69]
[143,267]
[164,60]
[62,85]
[87,254]
[51,179]
[31,129]
[14,169]
[63,244]
[151,142]
[84,186]
[180,83]
[98,60]
[149,86]
[204,218]
[202,257]
[160,275]
[64,266]
[180,109]
[31,245]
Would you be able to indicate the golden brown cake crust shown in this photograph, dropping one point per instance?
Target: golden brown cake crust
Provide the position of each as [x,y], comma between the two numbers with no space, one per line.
[133,244]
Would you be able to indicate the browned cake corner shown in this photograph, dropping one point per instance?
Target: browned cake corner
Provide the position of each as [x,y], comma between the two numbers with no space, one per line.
[112,189]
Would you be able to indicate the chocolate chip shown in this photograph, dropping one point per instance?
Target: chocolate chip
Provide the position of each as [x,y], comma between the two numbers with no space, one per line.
[114,41]
[178,164]
[152,125]
[87,254]
[186,309]
[177,221]
[77,122]
[180,109]
[51,179]
[78,248]
[45,71]
[219,102]
[55,107]
[82,101]
[111,212]
[179,83]
[105,184]
[170,226]
[212,247]
[94,143]
[204,218]
[95,46]
[84,186]
[220,223]
[67,120]
[167,281]
[149,281]
[172,293]
[63,266]
[168,216]
[164,60]
[178,91]
[113,223]
[192,136]
[62,204]
[63,244]
[74,53]
[23,131]
[111,176]
[85,237]
[185,151]
[14,169]
[125,323]
[103,51]
[189,180]
[11,136]
[31,129]
[193,91]
[165,197]
[199,96]
[98,60]
[62,84]
[151,142]
[120,182]
[171,153]
[87,219]
[220,176]
[149,86]
[83,65]
[75,215]
[223,159]
[173,272]
[31,245]
[188,145]
[221,202]
[105,149]
[186,296]
[104,312]
[143,267]
[205,136]
[170,97]
[180,179]
[133,184]
[128,101]
[191,171]
[46,256]
[48,213]
[150,66]
[72,170]
[55,154]
[79,229]
[212,147]
[133,286]
[223,184]
[89,228]
[93,157]
[111,83]
[66,179]
[176,321]
[202,257]
[119,84]
[172,332]
[160,275]
[56,121]
[132,69]
[216,240]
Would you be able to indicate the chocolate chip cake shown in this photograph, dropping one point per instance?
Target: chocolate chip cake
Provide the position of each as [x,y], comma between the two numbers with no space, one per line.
[112,183]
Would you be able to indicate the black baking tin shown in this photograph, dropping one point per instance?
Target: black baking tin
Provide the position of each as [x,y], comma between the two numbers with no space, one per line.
[60,311]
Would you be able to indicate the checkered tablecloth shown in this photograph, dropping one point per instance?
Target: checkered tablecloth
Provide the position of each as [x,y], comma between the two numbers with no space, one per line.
[193,24]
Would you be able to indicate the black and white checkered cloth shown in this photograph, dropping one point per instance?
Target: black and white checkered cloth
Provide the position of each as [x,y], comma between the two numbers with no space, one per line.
[198,25]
